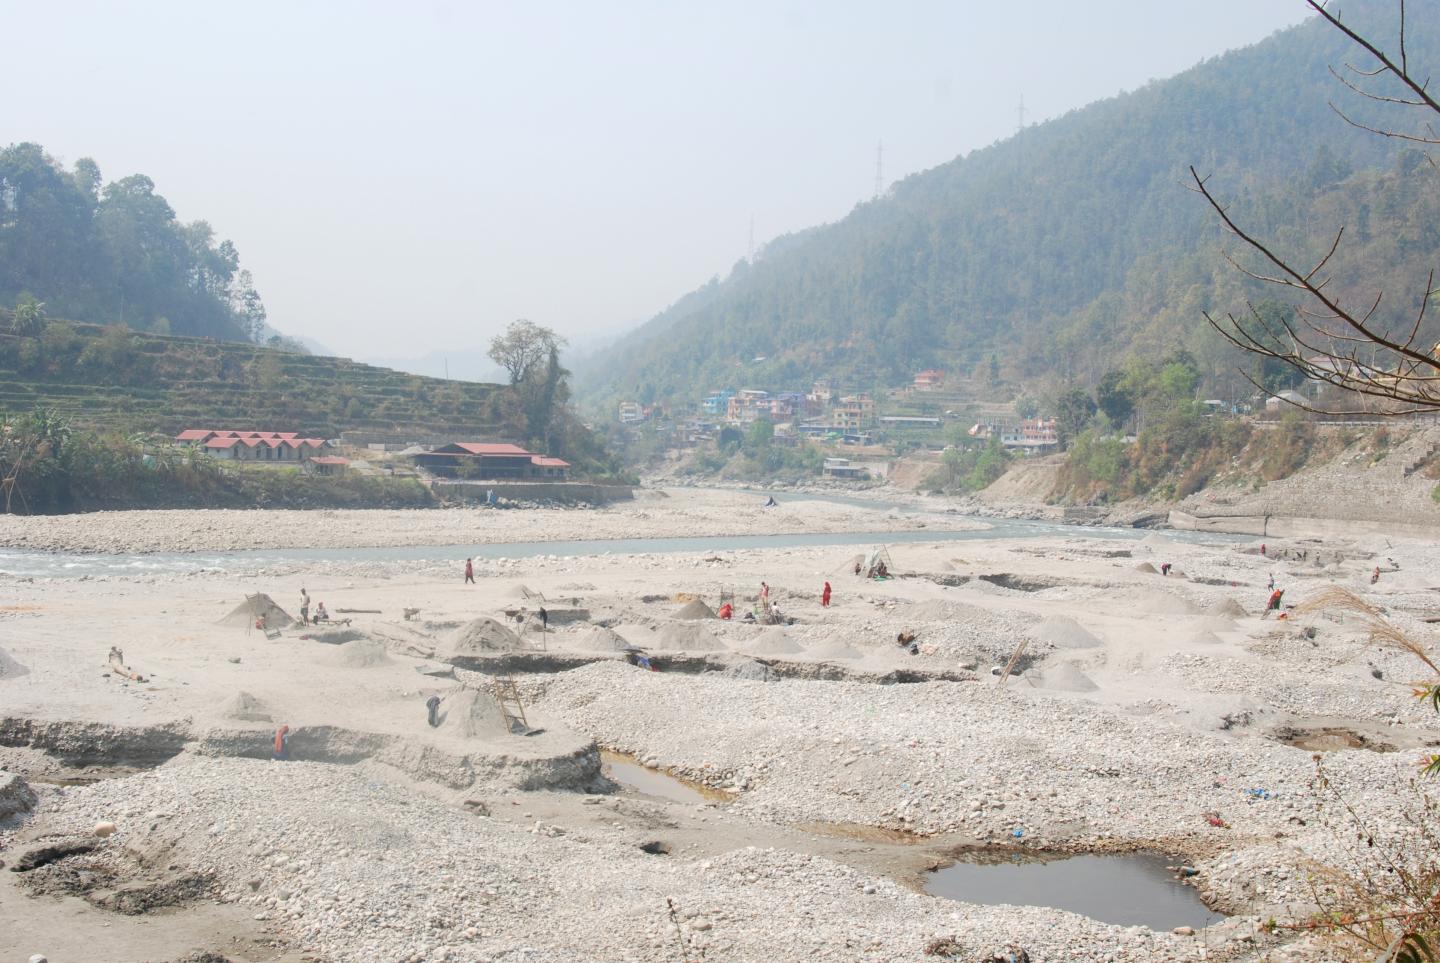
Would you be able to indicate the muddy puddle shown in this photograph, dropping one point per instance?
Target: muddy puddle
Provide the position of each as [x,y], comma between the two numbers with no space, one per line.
[1331,739]
[624,770]
[1126,890]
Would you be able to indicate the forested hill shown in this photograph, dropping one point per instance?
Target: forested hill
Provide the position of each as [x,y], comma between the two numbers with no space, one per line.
[115,253]
[1070,244]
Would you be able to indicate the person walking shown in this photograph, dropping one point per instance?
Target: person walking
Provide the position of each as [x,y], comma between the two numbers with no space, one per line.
[469,571]
[544,619]
[304,607]
[432,711]
[825,596]
[282,744]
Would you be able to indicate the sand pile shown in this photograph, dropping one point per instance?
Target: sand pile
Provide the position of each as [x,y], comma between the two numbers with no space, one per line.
[1064,632]
[1064,677]
[360,654]
[9,668]
[773,641]
[1147,568]
[1155,602]
[522,591]
[687,638]
[481,636]
[243,615]
[246,708]
[695,609]
[834,649]
[600,639]
[471,713]
[939,610]
[751,670]
[1227,608]
[1204,638]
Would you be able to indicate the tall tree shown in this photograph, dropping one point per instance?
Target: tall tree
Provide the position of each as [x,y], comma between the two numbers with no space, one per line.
[522,348]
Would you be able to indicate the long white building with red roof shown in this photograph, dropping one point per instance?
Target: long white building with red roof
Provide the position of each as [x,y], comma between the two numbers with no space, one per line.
[261,446]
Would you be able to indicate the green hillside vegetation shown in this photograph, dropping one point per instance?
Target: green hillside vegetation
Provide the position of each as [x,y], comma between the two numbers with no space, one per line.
[114,378]
[115,252]
[1070,243]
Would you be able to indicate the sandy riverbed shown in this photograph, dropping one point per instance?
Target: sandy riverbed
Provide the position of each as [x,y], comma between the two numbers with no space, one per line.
[653,514]
[1143,703]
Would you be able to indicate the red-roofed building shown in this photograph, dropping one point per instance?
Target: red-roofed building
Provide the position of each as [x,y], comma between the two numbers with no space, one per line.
[256,446]
[491,460]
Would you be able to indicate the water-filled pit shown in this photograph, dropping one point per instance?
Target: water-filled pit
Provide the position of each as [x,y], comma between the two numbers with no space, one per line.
[652,782]
[1135,889]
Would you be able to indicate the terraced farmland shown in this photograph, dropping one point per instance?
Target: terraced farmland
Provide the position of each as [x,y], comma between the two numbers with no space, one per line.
[109,378]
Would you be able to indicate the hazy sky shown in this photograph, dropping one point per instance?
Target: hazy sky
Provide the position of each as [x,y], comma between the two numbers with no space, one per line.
[407,177]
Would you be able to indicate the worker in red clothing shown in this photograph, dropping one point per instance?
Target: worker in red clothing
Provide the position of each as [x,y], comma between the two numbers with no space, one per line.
[469,572]
[825,596]
[282,743]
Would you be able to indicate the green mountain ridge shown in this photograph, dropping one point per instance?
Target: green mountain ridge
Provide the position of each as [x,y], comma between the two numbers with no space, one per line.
[1071,244]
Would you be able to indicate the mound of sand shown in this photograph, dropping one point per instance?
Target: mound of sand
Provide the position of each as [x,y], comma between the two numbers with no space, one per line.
[1064,677]
[243,615]
[1156,602]
[834,649]
[600,639]
[470,713]
[481,636]
[9,668]
[695,609]
[1204,637]
[687,638]
[522,591]
[773,641]
[360,654]
[1227,609]
[1147,568]
[939,610]
[1064,632]
[246,708]
[751,670]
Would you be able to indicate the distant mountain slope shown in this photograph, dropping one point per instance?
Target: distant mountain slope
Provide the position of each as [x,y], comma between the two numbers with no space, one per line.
[1066,246]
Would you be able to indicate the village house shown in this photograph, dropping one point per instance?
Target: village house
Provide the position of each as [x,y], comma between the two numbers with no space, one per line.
[631,413]
[491,461]
[853,413]
[929,380]
[1032,434]
[748,404]
[272,447]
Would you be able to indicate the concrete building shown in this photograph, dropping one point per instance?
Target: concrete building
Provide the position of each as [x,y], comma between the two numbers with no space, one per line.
[843,468]
[631,413]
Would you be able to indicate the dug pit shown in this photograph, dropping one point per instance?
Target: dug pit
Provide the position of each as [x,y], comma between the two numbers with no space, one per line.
[1135,889]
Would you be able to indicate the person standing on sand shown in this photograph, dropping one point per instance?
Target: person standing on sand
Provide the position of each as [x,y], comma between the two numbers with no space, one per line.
[765,591]
[469,572]
[825,596]
[282,744]
[304,607]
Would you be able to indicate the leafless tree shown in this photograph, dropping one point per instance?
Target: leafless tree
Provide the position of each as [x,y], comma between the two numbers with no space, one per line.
[1330,340]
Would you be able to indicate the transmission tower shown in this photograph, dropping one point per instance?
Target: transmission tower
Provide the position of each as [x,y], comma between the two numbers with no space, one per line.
[879,167]
[1021,112]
